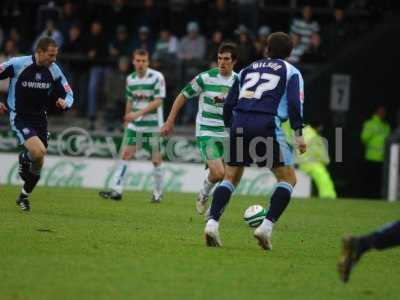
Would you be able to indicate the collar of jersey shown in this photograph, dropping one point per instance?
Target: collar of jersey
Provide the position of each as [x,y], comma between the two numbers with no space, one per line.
[228,77]
[145,74]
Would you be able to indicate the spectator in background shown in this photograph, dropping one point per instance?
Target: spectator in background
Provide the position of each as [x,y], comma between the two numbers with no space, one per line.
[69,17]
[119,13]
[149,15]
[10,50]
[337,32]
[45,12]
[144,41]
[11,14]
[315,53]
[315,160]
[114,92]
[245,47]
[374,133]
[198,11]
[192,50]
[304,27]
[298,49]
[97,55]
[74,49]
[16,37]
[165,60]
[120,44]
[261,41]
[166,48]
[213,47]
[220,17]
[192,47]
[74,43]
[247,10]
[178,14]
[52,32]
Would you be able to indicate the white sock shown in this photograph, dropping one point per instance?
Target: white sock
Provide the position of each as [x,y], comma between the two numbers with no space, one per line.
[207,186]
[119,176]
[158,176]
[24,192]
[267,224]
[212,223]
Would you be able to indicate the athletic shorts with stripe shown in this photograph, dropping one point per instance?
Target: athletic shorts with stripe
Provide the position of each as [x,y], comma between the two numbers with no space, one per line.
[26,127]
[211,147]
[256,138]
[150,141]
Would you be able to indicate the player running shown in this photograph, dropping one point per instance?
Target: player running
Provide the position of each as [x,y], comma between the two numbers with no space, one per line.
[35,80]
[212,87]
[267,93]
[145,91]
[354,247]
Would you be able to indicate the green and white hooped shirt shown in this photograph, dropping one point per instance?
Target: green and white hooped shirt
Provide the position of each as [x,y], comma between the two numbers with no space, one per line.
[141,91]
[212,88]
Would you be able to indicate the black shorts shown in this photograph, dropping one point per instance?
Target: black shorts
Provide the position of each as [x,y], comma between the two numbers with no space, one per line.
[257,138]
[27,127]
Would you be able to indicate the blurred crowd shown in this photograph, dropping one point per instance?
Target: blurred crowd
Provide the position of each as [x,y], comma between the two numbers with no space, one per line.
[96,39]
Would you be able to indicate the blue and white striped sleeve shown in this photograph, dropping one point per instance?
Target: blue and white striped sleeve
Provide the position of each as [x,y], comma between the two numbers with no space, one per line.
[7,69]
[62,85]
[295,97]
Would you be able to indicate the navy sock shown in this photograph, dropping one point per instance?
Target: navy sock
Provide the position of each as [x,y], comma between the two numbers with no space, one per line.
[221,197]
[386,237]
[279,201]
[31,182]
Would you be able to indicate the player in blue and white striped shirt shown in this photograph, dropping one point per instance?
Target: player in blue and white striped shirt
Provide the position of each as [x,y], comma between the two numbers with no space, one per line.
[34,81]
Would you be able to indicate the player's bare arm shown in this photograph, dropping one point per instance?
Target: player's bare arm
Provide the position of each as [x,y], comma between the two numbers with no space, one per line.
[168,127]
[128,109]
[3,108]
[153,105]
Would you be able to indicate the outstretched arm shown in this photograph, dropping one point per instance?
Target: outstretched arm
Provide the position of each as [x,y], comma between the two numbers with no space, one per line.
[62,89]
[295,96]
[168,127]
[193,89]
[7,69]
[159,95]
[153,105]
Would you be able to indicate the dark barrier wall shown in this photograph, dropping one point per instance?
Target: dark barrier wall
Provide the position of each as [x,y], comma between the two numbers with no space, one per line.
[374,67]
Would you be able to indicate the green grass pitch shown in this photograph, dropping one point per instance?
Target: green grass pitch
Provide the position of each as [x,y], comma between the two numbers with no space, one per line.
[74,245]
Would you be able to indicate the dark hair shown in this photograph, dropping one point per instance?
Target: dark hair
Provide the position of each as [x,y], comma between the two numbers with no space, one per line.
[140,52]
[228,47]
[279,45]
[44,43]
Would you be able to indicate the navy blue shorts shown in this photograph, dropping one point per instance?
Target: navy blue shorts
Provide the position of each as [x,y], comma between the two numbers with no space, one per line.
[257,138]
[25,128]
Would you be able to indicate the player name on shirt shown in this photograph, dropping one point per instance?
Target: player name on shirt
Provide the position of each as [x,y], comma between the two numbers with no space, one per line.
[271,65]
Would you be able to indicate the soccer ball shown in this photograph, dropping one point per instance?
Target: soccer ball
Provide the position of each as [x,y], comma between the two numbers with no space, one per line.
[254,215]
